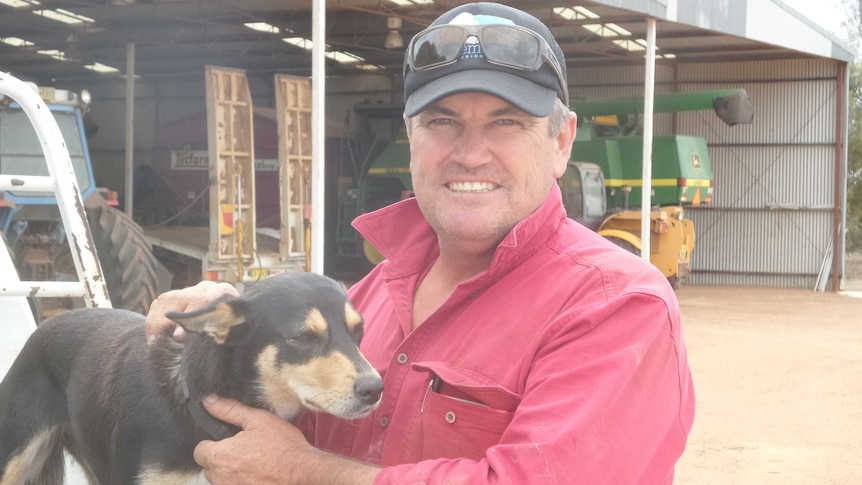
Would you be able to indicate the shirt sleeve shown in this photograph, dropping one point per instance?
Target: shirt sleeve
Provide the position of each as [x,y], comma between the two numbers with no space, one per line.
[607,399]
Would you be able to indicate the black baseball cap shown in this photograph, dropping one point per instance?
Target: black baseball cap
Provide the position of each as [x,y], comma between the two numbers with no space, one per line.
[534,92]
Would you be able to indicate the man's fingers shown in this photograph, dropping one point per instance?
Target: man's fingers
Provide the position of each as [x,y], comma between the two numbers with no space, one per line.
[156,320]
[204,453]
[184,300]
[230,410]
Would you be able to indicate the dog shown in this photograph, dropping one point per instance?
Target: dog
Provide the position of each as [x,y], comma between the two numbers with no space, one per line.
[87,382]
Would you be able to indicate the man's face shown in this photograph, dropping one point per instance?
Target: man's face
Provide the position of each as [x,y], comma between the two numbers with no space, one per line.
[480,166]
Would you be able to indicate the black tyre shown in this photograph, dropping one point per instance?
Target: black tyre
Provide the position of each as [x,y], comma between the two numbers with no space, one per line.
[133,275]
[675,281]
[624,244]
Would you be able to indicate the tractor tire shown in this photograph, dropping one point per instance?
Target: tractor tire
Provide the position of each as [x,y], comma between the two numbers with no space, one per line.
[624,244]
[133,275]
[674,281]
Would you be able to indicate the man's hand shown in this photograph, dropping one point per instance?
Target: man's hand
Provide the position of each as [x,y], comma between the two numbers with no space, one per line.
[184,300]
[270,450]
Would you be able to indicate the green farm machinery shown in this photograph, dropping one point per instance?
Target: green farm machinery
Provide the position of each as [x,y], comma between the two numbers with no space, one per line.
[602,186]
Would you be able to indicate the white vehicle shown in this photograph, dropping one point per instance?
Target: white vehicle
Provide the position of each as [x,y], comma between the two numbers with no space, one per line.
[18,321]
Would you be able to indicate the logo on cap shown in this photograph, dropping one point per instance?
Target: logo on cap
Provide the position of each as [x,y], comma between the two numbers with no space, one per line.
[472,49]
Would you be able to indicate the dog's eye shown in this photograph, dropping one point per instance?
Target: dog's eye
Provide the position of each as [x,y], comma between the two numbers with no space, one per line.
[307,336]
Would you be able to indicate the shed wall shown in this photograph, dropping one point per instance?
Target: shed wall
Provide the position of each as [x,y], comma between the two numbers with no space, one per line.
[771,220]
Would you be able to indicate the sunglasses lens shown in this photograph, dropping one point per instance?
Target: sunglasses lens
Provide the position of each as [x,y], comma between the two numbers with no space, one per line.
[510,47]
[435,47]
[503,45]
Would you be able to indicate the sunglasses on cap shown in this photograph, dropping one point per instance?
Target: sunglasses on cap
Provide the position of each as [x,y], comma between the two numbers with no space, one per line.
[502,45]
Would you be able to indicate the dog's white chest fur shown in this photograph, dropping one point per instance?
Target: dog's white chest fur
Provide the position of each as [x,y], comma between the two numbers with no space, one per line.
[155,477]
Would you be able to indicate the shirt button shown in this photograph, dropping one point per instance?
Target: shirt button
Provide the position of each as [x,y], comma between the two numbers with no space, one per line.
[402,358]
[450,417]
[384,422]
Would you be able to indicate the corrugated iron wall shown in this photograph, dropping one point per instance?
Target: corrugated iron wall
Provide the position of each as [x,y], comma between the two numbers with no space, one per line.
[772,217]
[771,220]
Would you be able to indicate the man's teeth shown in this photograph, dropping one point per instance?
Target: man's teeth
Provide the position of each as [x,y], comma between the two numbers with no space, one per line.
[471,186]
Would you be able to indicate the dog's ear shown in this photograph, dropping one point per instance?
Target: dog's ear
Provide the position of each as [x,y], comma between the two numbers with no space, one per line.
[215,320]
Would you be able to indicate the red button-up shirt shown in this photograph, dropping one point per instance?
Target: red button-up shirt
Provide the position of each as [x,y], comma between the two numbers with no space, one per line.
[563,363]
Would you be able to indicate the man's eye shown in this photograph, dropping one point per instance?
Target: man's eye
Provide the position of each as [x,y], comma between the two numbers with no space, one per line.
[441,121]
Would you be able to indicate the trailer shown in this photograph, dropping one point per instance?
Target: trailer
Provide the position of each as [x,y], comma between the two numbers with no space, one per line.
[231,247]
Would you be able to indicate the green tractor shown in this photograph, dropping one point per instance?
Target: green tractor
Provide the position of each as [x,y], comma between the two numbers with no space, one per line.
[602,187]
[602,181]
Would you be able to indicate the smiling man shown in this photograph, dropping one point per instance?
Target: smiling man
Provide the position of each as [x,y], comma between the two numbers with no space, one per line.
[516,346]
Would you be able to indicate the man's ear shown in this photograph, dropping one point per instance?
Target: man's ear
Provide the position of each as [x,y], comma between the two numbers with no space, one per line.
[215,320]
[564,145]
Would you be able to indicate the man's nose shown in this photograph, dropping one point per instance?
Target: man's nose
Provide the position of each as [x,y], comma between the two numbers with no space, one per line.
[472,148]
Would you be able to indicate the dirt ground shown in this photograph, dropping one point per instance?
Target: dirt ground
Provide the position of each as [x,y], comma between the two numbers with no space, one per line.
[778,380]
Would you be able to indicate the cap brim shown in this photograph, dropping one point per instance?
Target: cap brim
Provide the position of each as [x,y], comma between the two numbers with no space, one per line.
[526,95]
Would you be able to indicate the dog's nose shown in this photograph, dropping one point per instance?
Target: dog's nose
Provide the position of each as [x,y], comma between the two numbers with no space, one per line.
[368,389]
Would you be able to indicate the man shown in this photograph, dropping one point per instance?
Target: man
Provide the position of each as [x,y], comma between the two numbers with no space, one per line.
[516,346]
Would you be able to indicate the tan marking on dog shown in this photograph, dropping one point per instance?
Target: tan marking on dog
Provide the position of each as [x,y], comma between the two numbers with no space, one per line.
[322,384]
[215,323]
[351,316]
[154,476]
[26,466]
[316,322]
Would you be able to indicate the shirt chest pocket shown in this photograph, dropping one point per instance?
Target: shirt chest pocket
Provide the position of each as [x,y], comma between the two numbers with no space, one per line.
[462,413]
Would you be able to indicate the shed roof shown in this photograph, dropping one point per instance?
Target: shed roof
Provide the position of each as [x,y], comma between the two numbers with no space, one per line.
[176,38]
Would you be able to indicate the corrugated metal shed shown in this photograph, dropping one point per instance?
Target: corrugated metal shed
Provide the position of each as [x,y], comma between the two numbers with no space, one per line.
[772,219]
[779,182]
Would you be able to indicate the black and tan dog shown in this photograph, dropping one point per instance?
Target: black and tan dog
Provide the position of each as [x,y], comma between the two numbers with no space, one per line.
[87,382]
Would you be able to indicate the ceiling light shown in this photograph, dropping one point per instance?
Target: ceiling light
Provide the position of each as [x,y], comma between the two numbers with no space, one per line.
[587,13]
[64,16]
[344,57]
[99,67]
[340,56]
[54,53]
[575,13]
[619,30]
[607,30]
[393,38]
[262,27]
[16,42]
[299,42]
[632,45]
[19,3]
